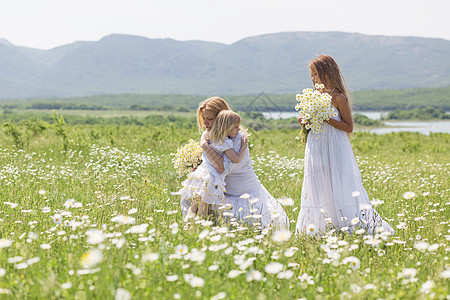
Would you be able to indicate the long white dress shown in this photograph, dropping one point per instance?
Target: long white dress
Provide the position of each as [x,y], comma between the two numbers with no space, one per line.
[332,191]
[249,200]
[236,193]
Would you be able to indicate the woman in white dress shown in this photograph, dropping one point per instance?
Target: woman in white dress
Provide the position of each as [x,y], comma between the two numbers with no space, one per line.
[205,185]
[333,195]
[245,198]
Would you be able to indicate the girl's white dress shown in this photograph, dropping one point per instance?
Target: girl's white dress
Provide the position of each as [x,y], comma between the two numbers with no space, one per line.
[236,193]
[205,182]
[332,191]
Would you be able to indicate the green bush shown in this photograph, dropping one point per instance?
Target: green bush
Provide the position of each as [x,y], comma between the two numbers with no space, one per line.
[427,113]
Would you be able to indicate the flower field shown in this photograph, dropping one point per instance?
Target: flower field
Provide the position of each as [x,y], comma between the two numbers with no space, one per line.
[86,213]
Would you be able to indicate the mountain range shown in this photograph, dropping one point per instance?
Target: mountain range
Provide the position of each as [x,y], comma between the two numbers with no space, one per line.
[272,63]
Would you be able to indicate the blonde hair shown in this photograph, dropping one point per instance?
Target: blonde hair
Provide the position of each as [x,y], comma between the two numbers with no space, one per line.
[214,105]
[225,121]
[330,74]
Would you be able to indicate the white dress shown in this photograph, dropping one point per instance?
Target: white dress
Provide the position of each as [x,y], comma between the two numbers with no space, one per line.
[205,182]
[331,184]
[249,200]
[223,191]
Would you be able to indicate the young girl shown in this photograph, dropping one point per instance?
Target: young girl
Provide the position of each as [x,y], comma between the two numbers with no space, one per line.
[333,194]
[205,186]
[246,199]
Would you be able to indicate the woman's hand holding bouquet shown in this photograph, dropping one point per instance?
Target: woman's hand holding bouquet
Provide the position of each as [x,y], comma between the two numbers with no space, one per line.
[314,108]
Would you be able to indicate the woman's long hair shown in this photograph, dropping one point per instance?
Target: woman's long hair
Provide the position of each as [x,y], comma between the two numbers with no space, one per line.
[330,74]
[225,122]
[214,105]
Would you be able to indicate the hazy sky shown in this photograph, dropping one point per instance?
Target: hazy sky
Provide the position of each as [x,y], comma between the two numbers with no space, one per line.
[46,24]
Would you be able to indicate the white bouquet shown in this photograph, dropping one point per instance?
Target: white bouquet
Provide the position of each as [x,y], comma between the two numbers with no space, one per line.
[187,158]
[314,107]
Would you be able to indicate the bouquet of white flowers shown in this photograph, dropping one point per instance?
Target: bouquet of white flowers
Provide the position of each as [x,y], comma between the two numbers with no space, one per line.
[187,158]
[314,108]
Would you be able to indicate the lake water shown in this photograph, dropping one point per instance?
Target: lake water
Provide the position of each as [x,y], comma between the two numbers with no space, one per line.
[424,127]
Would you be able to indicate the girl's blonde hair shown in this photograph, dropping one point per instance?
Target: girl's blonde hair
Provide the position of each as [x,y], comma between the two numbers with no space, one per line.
[330,74]
[214,105]
[225,121]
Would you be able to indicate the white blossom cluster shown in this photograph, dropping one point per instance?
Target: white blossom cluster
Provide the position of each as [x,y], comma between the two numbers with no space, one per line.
[187,158]
[314,108]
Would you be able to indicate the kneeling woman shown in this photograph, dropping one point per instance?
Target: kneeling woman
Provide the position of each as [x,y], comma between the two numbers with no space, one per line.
[244,197]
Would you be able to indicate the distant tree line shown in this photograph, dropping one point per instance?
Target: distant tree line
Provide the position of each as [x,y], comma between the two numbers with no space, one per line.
[73,119]
[166,107]
[254,120]
[365,121]
[428,113]
[74,106]
[405,99]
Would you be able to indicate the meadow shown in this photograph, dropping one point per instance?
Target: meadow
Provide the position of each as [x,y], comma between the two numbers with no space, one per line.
[87,213]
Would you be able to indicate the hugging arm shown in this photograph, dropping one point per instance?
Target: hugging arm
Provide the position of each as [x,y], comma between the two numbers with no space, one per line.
[237,157]
[215,159]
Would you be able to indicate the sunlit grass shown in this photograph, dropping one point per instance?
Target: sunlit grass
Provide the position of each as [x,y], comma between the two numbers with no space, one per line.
[98,221]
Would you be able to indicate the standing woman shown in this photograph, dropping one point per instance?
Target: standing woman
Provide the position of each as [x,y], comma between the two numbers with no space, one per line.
[332,193]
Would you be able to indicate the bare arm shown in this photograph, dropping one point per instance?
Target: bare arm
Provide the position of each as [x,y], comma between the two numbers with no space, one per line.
[342,105]
[237,157]
[215,159]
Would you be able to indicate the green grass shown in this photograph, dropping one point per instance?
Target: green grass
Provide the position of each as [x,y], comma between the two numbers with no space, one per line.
[127,170]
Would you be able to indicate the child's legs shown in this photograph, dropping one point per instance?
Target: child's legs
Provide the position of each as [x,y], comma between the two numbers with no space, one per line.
[194,204]
[194,207]
[203,208]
